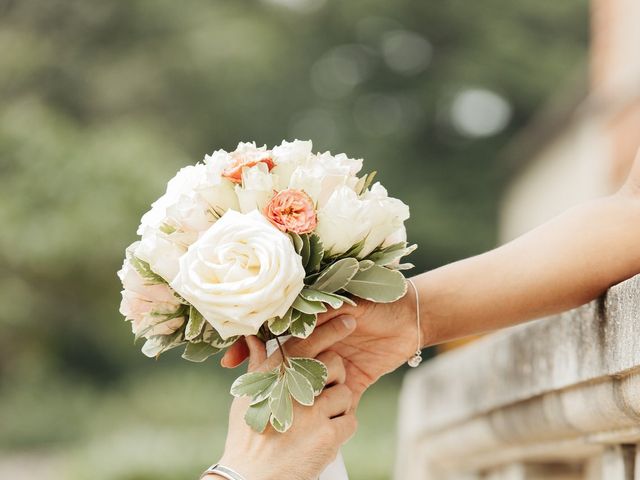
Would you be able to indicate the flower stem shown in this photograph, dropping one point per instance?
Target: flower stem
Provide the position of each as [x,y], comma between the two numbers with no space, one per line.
[284,356]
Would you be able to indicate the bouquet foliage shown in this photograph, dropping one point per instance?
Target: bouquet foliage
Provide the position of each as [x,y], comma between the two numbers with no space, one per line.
[259,242]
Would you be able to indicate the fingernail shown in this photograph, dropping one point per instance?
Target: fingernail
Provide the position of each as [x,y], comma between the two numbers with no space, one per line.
[223,362]
[349,322]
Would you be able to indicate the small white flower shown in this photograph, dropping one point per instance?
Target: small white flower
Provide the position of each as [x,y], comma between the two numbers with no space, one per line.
[385,216]
[189,206]
[347,219]
[322,174]
[240,273]
[151,308]
[342,221]
[256,190]
[287,157]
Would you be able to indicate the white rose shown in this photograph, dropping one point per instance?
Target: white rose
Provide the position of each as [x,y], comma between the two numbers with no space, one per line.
[188,199]
[322,174]
[347,219]
[162,251]
[256,189]
[240,273]
[287,157]
[148,307]
[218,161]
[398,236]
[342,221]
[177,218]
[385,216]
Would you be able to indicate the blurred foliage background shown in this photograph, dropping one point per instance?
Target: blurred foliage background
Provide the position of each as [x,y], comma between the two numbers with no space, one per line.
[102,101]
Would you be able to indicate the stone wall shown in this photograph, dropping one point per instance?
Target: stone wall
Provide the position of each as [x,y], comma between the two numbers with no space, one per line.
[558,398]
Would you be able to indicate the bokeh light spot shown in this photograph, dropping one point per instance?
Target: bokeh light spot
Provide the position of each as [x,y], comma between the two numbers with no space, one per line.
[478,112]
[406,52]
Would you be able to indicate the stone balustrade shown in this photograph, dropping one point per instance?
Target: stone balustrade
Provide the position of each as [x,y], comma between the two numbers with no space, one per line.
[558,398]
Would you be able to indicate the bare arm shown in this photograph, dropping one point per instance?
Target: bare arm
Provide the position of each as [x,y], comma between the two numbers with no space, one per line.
[562,264]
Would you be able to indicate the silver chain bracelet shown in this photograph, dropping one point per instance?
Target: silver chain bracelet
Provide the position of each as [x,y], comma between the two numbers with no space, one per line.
[224,472]
[416,359]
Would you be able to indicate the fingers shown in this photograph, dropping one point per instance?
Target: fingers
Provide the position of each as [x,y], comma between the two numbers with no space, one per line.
[235,354]
[331,314]
[335,365]
[335,400]
[344,427]
[257,352]
[323,337]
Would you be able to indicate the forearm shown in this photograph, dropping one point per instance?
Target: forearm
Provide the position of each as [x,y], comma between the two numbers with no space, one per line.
[564,263]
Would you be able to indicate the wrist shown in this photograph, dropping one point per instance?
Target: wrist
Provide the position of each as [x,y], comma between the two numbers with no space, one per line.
[415,307]
[409,312]
[245,468]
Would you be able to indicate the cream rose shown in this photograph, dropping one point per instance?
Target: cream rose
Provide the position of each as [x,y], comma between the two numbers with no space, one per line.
[151,308]
[343,221]
[322,174]
[256,190]
[346,219]
[386,215]
[288,156]
[240,273]
[192,199]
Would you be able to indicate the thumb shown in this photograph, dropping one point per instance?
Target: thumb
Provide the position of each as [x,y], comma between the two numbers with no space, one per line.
[257,352]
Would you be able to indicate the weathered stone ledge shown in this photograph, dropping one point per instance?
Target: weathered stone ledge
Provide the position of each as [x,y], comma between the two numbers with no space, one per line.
[556,388]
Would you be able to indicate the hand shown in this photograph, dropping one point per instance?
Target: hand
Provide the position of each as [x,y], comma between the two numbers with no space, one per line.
[317,433]
[385,338]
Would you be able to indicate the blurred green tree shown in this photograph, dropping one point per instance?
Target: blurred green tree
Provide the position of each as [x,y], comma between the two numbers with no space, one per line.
[103,100]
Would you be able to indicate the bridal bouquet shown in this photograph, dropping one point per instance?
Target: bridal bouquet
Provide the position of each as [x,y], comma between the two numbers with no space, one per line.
[259,242]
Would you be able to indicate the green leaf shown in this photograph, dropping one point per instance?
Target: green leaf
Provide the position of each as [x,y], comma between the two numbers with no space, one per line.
[195,325]
[281,405]
[158,344]
[160,318]
[264,394]
[378,284]
[311,278]
[316,252]
[391,254]
[366,265]
[403,266]
[305,251]
[167,229]
[303,325]
[365,182]
[279,325]
[211,335]
[305,306]
[299,387]
[344,299]
[336,275]
[253,383]
[332,299]
[257,416]
[144,270]
[297,241]
[314,371]
[355,250]
[279,427]
[199,352]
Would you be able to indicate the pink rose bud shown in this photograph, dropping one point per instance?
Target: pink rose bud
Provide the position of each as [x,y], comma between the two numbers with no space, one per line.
[234,171]
[292,211]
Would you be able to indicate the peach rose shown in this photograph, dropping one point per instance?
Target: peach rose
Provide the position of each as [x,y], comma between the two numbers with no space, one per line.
[292,211]
[234,171]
